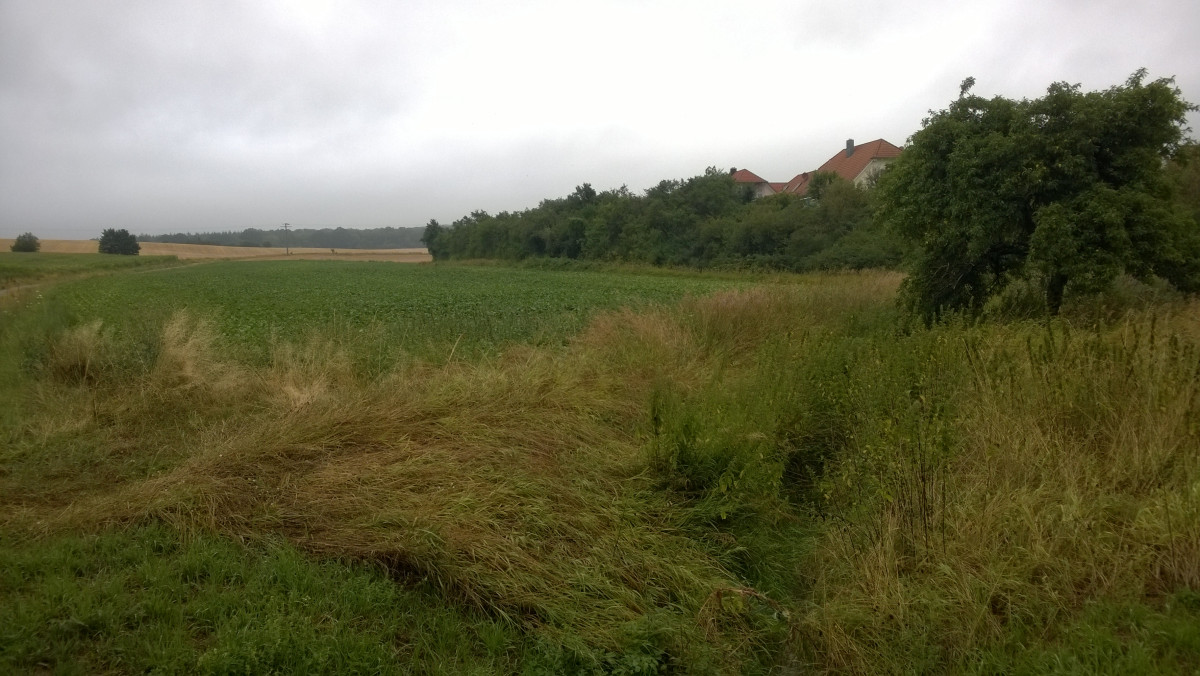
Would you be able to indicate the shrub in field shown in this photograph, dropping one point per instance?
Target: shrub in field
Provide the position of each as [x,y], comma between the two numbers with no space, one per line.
[114,241]
[26,243]
[1067,191]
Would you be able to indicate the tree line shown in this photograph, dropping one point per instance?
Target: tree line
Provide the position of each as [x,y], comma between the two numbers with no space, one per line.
[323,238]
[704,221]
[1061,194]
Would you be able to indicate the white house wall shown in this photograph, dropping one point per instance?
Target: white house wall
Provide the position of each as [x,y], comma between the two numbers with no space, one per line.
[867,175]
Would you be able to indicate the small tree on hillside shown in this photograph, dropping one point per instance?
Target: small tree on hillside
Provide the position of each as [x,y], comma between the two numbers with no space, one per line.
[1066,191]
[26,243]
[119,242]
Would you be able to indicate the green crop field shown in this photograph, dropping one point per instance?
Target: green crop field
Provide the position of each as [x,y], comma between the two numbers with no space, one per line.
[331,467]
[386,309]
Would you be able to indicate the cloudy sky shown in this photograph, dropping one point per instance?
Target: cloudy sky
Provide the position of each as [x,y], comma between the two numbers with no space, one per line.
[167,115]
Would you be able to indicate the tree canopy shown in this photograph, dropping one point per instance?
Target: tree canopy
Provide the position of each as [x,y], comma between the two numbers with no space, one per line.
[114,241]
[1067,190]
[26,243]
[704,221]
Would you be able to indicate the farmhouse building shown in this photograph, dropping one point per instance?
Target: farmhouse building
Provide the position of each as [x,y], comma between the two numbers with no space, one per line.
[758,186]
[859,164]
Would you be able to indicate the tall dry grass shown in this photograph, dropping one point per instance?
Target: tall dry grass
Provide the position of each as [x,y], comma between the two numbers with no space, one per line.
[1072,479]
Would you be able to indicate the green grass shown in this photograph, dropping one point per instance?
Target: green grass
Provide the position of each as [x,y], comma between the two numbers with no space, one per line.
[145,599]
[1105,637]
[17,269]
[616,472]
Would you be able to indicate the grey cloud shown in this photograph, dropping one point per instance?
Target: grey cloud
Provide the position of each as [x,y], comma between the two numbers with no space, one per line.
[170,115]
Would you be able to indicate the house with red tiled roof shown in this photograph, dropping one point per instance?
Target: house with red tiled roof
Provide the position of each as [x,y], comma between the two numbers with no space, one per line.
[858,164]
[861,163]
[758,186]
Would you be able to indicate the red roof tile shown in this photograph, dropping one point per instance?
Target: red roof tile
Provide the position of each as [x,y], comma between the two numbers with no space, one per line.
[850,167]
[747,176]
[847,167]
[798,185]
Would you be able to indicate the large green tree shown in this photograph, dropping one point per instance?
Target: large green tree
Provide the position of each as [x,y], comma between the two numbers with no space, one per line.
[114,241]
[1067,190]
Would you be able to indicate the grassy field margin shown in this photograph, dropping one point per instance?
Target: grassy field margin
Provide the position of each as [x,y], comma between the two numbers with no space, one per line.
[777,476]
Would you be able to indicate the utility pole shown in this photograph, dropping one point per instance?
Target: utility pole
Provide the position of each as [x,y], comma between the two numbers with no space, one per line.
[286,248]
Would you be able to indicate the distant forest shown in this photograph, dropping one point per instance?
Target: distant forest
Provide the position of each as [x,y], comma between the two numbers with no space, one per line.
[705,221]
[324,238]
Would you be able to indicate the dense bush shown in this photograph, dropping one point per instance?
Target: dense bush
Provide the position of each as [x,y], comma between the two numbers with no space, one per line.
[1067,192]
[26,243]
[119,242]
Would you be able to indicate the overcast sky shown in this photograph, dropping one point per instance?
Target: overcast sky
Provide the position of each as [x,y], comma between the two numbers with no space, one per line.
[166,116]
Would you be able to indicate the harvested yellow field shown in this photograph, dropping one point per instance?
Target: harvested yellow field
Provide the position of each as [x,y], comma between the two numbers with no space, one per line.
[193,251]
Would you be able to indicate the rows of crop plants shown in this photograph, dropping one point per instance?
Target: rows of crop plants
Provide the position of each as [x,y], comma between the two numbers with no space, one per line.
[614,473]
[398,310]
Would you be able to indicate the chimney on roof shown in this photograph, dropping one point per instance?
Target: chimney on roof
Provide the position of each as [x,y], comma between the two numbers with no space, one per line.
[849,147]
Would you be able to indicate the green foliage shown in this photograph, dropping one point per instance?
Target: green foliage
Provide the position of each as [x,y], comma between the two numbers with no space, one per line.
[26,243]
[114,241]
[1067,190]
[820,181]
[431,237]
[1183,172]
[704,221]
